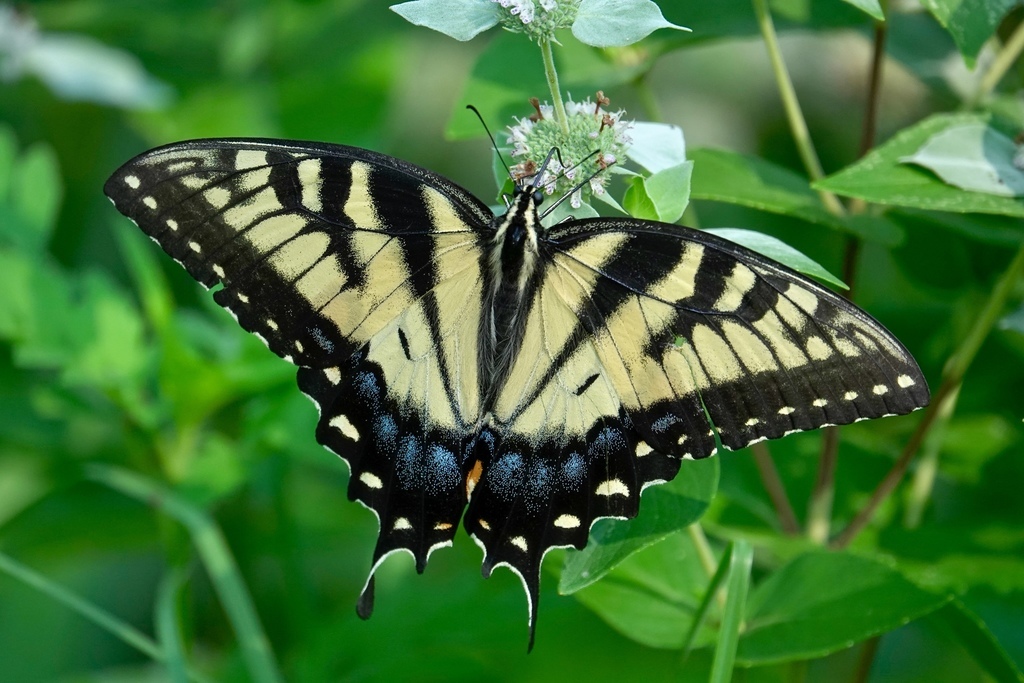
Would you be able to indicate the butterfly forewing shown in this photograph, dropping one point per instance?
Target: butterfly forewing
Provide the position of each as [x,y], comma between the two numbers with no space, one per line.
[365,272]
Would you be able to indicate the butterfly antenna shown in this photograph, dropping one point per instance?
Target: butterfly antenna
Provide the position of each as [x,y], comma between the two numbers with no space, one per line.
[493,143]
[570,192]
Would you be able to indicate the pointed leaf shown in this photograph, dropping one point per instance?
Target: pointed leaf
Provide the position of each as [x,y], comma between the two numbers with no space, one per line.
[822,602]
[972,156]
[871,7]
[970,22]
[669,190]
[780,251]
[614,23]
[881,178]
[460,19]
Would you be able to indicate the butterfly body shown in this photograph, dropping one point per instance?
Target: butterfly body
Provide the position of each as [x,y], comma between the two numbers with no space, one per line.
[523,380]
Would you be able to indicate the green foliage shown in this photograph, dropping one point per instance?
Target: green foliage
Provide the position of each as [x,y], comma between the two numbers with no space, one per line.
[165,509]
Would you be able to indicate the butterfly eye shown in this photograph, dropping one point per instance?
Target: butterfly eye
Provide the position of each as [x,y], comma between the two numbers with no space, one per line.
[538,196]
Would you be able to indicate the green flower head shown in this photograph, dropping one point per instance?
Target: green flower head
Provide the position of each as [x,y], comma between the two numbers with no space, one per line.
[597,139]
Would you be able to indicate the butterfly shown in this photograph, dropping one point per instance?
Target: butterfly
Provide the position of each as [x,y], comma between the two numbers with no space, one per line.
[524,380]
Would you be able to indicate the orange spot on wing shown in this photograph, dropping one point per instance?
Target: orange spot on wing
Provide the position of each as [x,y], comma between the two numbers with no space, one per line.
[473,477]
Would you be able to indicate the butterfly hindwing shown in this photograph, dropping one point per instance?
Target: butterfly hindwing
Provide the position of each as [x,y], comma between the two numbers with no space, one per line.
[643,342]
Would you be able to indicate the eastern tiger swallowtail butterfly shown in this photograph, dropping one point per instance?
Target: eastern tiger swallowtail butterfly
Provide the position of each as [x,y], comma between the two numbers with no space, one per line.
[523,379]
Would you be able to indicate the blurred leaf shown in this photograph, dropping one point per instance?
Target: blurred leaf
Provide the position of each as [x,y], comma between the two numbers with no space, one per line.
[824,602]
[998,230]
[112,352]
[88,610]
[23,481]
[970,22]
[611,23]
[216,555]
[881,178]
[870,7]
[974,636]
[665,508]
[80,68]
[1013,321]
[724,176]
[972,156]
[30,194]
[778,250]
[8,153]
[167,628]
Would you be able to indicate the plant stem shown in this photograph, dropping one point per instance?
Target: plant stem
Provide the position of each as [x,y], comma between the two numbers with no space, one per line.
[775,488]
[952,378]
[870,126]
[1004,59]
[556,93]
[646,96]
[928,466]
[700,542]
[866,660]
[797,123]
[819,507]
[706,556]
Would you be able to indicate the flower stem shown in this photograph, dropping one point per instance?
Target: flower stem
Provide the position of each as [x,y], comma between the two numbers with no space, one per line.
[797,123]
[953,376]
[556,93]
[1004,59]
[776,490]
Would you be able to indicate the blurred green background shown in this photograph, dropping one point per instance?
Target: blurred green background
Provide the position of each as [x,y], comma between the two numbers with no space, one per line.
[111,355]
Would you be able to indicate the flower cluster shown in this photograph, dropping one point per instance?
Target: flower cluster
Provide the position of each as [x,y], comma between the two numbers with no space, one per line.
[538,19]
[596,139]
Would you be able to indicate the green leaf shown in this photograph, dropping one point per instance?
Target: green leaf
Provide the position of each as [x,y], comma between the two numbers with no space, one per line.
[653,597]
[823,602]
[566,210]
[669,191]
[881,178]
[740,561]
[460,19]
[29,207]
[975,637]
[216,556]
[724,176]
[637,202]
[8,153]
[664,509]
[972,156]
[970,22]
[656,146]
[871,7]
[778,250]
[614,23]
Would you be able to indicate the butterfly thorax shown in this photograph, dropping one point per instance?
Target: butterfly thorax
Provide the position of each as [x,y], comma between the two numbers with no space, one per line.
[510,278]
